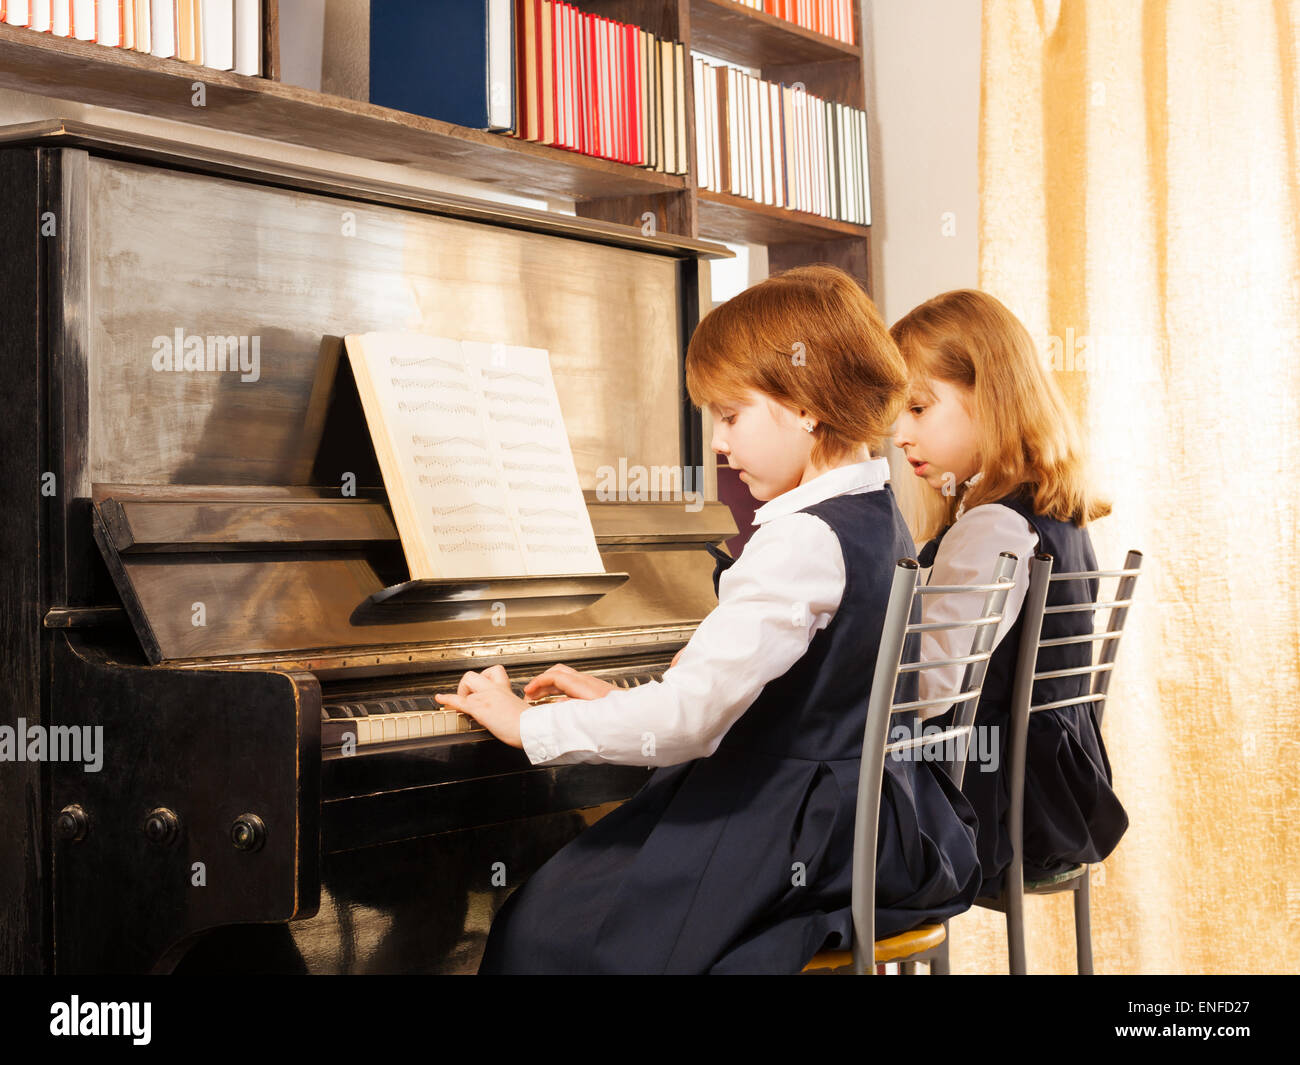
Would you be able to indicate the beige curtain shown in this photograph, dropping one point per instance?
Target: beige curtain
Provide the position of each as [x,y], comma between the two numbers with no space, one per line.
[1139,177]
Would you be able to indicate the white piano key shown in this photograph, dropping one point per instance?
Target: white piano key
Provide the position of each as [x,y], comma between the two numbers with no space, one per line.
[362,730]
[426,724]
[403,724]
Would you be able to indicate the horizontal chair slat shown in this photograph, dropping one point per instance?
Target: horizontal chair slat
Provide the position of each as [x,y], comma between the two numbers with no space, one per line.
[1087,575]
[1096,697]
[1100,667]
[933,739]
[943,700]
[935,663]
[1061,641]
[1074,608]
[939,626]
[940,589]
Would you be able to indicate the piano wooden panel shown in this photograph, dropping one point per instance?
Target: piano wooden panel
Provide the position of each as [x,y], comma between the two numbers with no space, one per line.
[213,257]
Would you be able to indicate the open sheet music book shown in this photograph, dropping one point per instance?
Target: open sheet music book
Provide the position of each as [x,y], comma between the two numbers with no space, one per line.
[474,455]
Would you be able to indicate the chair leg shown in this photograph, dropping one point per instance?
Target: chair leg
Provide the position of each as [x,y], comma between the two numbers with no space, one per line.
[1083,927]
[939,963]
[1016,932]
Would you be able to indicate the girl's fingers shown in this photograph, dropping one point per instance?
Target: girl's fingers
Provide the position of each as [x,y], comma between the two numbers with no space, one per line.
[455,702]
[492,676]
[568,682]
[542,683]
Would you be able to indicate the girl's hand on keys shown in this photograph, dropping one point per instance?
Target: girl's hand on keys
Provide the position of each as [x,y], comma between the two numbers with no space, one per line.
[567,681]
[489,700]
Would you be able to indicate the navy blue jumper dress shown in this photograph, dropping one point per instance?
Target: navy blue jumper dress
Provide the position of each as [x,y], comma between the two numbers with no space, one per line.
[740,862]
[1071,812]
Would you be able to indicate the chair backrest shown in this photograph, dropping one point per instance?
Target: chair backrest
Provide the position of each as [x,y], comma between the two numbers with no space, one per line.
[1032,642]
[901,633]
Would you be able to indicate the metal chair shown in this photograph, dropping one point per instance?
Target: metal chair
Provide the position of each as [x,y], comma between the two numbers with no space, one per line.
[929,942]
[1011,900]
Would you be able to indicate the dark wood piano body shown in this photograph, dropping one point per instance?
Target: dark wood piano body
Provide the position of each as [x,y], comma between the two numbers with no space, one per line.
[184,570]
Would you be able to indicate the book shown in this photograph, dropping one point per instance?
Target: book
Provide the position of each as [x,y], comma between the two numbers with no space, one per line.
[248,37]
[472,448]
[453,62]
[217,22]
[162,18]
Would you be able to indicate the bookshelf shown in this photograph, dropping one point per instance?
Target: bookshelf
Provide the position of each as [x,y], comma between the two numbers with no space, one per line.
[614,192]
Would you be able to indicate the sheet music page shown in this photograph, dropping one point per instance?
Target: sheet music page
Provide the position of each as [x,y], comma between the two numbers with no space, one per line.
[472,446]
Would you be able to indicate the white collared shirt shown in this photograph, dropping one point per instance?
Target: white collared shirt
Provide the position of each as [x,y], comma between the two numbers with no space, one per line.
[968,554]
[779,593]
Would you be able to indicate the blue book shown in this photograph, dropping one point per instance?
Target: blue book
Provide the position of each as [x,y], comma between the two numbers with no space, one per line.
[452,60]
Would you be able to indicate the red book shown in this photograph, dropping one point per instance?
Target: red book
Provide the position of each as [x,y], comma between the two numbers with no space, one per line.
[593,139]
[638,146]
[620,84]
[629,90]
[557,73]
[580,76]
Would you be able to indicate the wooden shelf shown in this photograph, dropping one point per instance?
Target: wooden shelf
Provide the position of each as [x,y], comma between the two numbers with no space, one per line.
[130,81]
[742,35]
[615,192]
[735,218]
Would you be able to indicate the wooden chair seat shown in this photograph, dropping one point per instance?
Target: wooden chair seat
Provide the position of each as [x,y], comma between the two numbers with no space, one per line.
[892,948]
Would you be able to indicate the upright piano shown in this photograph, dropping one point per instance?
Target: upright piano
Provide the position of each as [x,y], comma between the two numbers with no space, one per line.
[222,748]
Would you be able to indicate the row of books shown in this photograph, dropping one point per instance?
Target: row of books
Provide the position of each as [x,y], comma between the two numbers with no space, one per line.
[222,34]
[599,87]
[539,70]
[779,145]
[831,18]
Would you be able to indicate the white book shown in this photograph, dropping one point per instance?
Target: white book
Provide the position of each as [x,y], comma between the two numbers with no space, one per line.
[716,126]
[670,108]
[217,27]
[857,174]
[746,139]
[765,141]
[774,94]
[61,18]
[248,37]
[162,16]
[701,153]
[143,36]
[107,16]
[733,135]
[819,155]
[851,169]
[471,444]
[83,20]
[17,13]
[501,104]
[866,169]
[40,16]
[833,158]
[801,129]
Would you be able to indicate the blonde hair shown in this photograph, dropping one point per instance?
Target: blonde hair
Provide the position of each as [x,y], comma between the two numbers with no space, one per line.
[810,338]
[1028,438]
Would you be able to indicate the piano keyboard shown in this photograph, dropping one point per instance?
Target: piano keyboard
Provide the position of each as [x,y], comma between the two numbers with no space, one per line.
[405,717]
